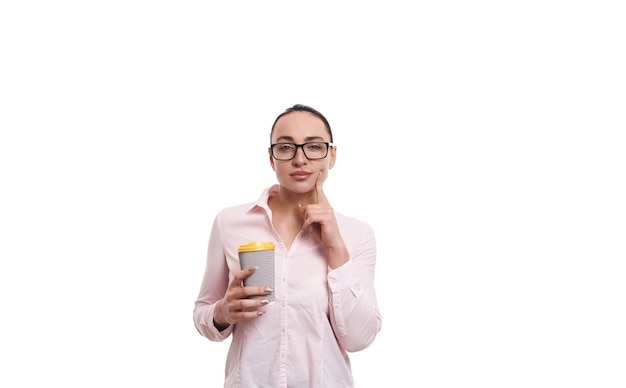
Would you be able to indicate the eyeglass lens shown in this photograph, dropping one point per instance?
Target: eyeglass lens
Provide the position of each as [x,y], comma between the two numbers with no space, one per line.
[287,151]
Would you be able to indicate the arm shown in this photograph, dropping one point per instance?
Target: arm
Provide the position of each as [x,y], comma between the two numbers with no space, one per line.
[223,302]
[354,313]
[213,288]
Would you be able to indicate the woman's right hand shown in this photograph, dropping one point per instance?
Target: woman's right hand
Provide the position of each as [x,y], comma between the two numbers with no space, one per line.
[236,305]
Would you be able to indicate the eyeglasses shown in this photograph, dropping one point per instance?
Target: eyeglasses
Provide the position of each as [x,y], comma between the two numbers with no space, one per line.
[312,151]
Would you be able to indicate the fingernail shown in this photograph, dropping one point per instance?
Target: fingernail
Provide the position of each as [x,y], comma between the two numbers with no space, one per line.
[252,269]
[269,289]
[265,301]
[261,313]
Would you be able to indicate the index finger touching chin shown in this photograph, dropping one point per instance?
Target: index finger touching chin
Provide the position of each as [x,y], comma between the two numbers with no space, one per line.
[321,197]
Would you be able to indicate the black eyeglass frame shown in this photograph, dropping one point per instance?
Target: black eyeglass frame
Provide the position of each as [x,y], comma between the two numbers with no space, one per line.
[328,146]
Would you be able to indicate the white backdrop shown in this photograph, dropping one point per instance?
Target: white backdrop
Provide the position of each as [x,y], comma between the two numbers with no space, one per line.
[480,140]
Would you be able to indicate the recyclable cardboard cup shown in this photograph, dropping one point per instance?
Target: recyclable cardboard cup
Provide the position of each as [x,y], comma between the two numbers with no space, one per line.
[260,255]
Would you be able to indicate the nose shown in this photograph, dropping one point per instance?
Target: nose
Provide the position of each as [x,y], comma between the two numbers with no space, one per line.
[299,158]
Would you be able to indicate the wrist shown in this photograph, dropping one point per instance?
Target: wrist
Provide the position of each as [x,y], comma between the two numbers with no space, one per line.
[218,318]
[220,326]
[338,257]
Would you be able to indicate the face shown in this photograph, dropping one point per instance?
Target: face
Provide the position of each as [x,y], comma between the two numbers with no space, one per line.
[299,174]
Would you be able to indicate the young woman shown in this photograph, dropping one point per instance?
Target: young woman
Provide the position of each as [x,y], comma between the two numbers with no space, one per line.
[325,301]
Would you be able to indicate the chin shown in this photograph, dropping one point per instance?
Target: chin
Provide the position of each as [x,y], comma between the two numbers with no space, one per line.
[298,187]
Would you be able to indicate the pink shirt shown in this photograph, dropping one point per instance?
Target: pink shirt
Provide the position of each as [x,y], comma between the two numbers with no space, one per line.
[319,313]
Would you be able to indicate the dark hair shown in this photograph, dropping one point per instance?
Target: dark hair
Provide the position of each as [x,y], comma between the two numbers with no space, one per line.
[303,108]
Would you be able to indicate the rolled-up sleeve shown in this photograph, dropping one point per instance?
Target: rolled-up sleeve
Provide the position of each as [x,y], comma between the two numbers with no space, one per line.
[213,287]
[354,312]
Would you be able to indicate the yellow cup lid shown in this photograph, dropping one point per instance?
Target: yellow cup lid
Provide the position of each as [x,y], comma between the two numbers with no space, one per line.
[256,246]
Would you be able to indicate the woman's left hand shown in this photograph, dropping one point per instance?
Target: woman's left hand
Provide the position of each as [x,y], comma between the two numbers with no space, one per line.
[320,219]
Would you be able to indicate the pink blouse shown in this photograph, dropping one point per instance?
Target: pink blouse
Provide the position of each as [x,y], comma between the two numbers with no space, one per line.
[319,313]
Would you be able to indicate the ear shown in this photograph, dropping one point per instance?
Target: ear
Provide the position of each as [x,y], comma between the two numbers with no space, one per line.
[269,152]
[333,157]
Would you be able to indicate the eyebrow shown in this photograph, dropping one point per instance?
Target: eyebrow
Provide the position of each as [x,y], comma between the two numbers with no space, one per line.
[306,139]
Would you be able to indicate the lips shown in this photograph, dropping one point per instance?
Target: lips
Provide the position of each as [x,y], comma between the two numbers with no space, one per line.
[300,175]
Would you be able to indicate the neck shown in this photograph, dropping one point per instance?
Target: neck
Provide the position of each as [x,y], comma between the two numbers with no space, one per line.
[286,200]
[289,199]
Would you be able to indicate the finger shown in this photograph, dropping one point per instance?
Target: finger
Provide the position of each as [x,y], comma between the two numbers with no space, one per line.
[312,222]
[246,304]
[247,315]
[321,197]
[241,297]
[306,218]
[239,276]
[256,290]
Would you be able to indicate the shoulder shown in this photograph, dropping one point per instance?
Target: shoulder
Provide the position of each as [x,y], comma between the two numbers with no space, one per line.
[234,214]
[342,217]
[236,209]
[357,234]
[241,210]
[350,223]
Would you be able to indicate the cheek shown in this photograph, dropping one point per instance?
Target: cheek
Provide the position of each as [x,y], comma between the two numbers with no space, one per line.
[280,168]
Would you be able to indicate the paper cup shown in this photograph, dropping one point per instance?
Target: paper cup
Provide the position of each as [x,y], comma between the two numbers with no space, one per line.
[259,255]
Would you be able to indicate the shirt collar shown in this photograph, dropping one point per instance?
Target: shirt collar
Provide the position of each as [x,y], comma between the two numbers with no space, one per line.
[264,198]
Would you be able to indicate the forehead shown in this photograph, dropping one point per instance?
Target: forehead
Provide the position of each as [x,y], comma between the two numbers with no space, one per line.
[300,125]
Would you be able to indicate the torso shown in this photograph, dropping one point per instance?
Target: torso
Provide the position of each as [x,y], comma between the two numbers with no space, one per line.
[287,229]
[287,223]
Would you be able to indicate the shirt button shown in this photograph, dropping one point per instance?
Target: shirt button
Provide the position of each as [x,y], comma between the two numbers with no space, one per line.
[282,355]
[282,329]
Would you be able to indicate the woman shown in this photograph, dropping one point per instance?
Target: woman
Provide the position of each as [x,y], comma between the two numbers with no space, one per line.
[325,302]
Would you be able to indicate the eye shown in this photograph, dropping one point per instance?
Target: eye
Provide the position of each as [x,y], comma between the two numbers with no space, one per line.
[315,146]
[285,147]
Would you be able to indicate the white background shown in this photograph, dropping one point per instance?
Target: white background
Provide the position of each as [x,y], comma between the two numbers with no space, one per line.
[481,140]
